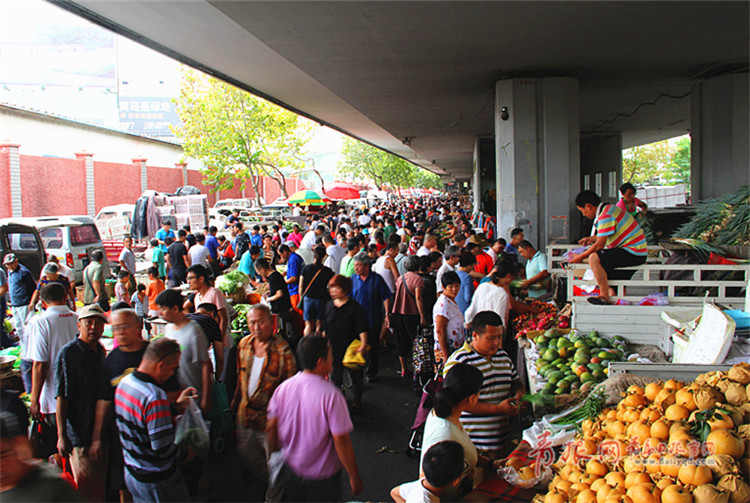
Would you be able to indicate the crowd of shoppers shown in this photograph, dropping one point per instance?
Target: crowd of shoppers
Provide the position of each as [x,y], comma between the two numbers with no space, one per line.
[415,274]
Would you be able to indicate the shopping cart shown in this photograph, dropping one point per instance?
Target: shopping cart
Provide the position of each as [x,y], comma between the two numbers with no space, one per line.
[425,406]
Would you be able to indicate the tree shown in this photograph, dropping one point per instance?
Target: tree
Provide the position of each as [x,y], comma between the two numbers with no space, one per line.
[238,136]
[681,161]
[666,162]
[380,167]
[427,179]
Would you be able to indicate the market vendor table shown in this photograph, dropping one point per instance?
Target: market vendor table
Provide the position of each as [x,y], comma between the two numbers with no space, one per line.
[497,489]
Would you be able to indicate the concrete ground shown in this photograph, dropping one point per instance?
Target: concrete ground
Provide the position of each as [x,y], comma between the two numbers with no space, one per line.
[380,437]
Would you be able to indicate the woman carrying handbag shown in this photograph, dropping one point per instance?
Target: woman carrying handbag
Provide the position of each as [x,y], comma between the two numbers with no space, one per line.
[313,284]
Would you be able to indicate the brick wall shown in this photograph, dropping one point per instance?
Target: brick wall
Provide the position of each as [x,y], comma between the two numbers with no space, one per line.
[57,186]
[115,183]
[52,186]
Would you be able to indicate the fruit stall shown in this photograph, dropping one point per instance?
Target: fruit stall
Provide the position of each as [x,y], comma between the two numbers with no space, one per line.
[616,421]
[664,440]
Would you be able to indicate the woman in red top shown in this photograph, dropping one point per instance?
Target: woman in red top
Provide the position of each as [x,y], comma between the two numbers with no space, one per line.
[226,253]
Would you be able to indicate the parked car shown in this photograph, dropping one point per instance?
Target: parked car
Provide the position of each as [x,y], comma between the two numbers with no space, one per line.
[24,241]
[72,239]
[235,203]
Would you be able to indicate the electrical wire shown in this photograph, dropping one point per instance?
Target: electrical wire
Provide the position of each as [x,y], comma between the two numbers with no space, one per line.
[637,108]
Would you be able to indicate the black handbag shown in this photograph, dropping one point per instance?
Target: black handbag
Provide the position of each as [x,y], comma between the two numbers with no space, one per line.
[43,439]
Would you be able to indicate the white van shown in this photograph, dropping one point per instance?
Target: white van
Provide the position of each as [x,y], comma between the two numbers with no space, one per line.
[72,239]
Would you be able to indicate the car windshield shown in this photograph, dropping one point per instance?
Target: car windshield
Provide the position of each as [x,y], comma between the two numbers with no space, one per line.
[83,235]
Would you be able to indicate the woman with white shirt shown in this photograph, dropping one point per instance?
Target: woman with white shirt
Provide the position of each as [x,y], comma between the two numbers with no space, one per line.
[448,320]
[459,393]
[385,265]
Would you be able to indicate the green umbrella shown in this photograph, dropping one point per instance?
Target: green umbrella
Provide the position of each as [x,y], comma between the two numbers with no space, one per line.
[308,197]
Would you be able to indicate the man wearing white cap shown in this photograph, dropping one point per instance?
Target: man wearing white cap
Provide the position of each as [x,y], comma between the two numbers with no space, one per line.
[82,392]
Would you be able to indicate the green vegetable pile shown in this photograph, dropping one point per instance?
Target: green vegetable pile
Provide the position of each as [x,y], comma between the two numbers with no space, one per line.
[231,281]
[240,322]
[724,221]
[590,408]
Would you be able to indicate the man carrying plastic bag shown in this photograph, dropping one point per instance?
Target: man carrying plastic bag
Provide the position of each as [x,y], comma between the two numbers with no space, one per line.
[144,419]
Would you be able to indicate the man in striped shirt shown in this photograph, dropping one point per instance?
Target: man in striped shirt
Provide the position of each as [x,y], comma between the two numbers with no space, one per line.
[144,419]
[487,423]
[618,242]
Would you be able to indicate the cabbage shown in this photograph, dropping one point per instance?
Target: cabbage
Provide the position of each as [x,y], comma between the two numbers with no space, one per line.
[230,282]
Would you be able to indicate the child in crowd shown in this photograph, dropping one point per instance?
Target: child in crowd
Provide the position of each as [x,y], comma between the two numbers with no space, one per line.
[139,301]
[154,288]
[442,466]
[121,287]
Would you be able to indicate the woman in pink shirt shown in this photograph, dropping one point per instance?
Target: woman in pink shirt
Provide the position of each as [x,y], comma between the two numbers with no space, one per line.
[629,202]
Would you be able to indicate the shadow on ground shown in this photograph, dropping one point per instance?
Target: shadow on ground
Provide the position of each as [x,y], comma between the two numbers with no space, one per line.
[380,438]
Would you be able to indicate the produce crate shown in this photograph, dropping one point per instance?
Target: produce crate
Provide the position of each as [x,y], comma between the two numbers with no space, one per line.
[638,324]
[664,371]
[687,290]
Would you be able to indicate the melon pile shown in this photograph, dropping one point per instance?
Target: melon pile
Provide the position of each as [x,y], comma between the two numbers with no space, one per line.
[574,362]
[667,442]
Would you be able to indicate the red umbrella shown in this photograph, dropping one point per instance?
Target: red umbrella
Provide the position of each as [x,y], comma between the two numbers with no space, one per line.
[340,190]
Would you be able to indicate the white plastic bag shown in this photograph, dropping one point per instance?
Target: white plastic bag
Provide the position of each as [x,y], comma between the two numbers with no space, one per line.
[192,430]
[512,476]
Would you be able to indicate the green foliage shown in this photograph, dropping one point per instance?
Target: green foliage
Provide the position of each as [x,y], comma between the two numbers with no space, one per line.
[665,162]
[238,136]
[362,161]
[681,161]
[427,179]
[724,221]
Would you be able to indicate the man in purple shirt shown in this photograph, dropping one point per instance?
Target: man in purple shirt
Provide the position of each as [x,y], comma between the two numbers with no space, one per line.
[309,419]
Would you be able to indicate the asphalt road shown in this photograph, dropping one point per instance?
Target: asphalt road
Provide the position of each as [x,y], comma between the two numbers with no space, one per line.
[380,438]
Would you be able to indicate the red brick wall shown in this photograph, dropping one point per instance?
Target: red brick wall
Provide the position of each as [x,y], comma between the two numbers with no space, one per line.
[163,179]
[115,183]
[57,186]
[52,186]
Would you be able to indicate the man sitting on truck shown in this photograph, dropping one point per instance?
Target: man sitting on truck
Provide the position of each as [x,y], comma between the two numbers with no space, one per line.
[618,241]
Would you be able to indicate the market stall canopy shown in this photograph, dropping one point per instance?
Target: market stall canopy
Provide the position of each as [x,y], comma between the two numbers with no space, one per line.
[308,197]
[341,190]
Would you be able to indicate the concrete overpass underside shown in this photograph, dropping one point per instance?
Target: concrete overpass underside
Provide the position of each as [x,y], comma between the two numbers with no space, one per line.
[426,80]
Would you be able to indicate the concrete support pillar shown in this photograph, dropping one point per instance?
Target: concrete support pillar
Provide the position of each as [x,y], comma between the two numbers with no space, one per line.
[537,157]
[484,178]
[476,186]
[183,167]
[141,164]
[88,164]
[14,178]
[720,159]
